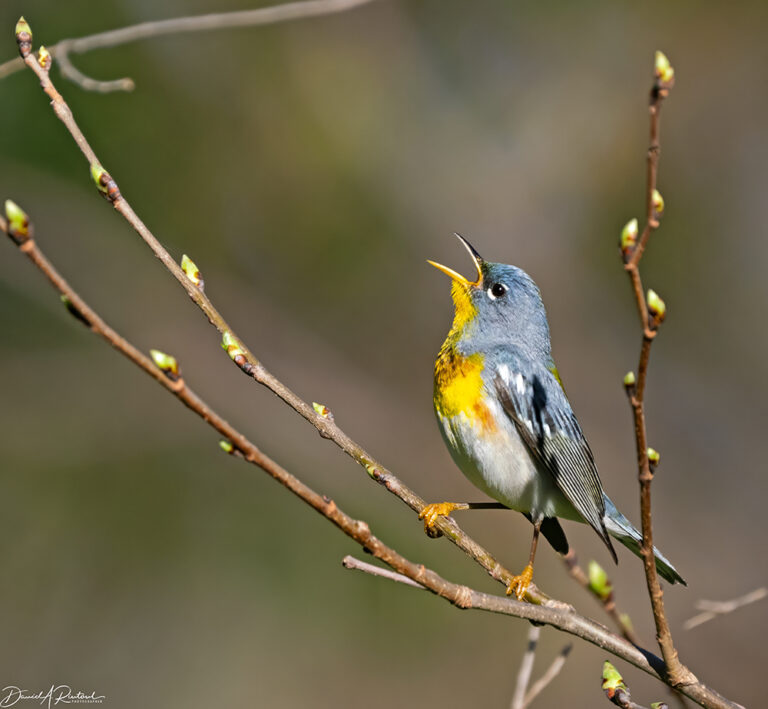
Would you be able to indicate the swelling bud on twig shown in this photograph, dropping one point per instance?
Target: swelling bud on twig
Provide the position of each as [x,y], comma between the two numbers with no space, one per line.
[19,227]
[226,446]
[657,201]
[663,69]
[626,621]
[44,58]
[107,186]
[656,306]
[629,383]
[191,271]
[653,458]
[24,37]
[613,685]
[166,363]
[235,351]
[322,410]
[629,237]
[599,583]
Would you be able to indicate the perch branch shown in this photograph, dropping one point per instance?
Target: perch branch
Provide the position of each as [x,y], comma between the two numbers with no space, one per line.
[253,367]
[559,615]
[147,30]
[651,313]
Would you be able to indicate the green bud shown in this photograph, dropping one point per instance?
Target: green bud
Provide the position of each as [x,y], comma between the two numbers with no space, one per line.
[19,228]
[371,470]
[626,621]
[663,69]
[598,581]
[166,362]
[653,457]
[23,34]
[231,345]
[656,305]
[226,446]
[657,201]
[97,172]
[44,58]
[235,351]
[321,410]
[629,379]
[106,185]
[629,236]
[612,680]
[191,271]
[659,705]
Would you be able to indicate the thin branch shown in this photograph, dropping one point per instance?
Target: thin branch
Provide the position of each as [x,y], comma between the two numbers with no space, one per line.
[608,602]
[349,562]
[559,616]
[678,673]
[249,364]
[526,668]
[178,25]
[548,677]
[713,609]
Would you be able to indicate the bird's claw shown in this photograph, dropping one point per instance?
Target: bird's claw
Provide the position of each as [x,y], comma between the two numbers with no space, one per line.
[518,585]
[430,514]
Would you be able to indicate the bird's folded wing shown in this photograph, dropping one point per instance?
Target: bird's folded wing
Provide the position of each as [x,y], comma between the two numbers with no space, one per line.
[536,403]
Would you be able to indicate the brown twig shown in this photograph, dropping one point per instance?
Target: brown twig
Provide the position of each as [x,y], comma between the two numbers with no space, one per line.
[523,696]
[526,668]
[249,364]
[178,25]
[607,601]
[548,677]
[650,318]
[713,609]
[349,562]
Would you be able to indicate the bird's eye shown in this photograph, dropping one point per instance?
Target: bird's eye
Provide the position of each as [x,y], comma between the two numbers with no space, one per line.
[496,291]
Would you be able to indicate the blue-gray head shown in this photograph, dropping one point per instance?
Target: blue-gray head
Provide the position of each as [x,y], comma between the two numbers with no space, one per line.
[501,307]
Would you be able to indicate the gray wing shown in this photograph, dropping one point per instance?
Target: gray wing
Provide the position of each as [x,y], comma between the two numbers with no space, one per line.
[536,403]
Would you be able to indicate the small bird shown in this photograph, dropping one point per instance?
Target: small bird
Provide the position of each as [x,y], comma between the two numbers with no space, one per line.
[507,422]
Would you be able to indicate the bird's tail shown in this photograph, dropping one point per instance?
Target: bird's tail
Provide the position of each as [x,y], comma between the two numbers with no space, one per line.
[620,528]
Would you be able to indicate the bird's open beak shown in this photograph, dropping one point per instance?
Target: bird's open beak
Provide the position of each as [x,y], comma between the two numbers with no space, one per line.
[476,258]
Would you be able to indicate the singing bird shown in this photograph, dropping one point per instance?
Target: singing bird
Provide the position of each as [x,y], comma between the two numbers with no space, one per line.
[506,420]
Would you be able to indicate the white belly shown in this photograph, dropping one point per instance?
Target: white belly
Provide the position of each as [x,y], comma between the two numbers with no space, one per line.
[498,462]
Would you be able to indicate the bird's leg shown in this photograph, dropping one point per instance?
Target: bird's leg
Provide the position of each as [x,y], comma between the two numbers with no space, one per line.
[429,513]
[519,584]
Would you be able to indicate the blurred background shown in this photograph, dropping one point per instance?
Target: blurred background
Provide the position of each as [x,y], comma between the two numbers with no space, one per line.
[310,169]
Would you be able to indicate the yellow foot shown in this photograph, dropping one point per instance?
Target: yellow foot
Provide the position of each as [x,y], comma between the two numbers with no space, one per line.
[519,584]
[431,512]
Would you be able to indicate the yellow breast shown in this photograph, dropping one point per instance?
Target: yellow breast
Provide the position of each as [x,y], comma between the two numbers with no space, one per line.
[459,387]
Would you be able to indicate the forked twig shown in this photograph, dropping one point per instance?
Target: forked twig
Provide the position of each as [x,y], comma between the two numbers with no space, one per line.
[177,25]
[713,609]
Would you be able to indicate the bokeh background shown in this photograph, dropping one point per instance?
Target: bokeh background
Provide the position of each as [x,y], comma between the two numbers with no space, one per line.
[310,169]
